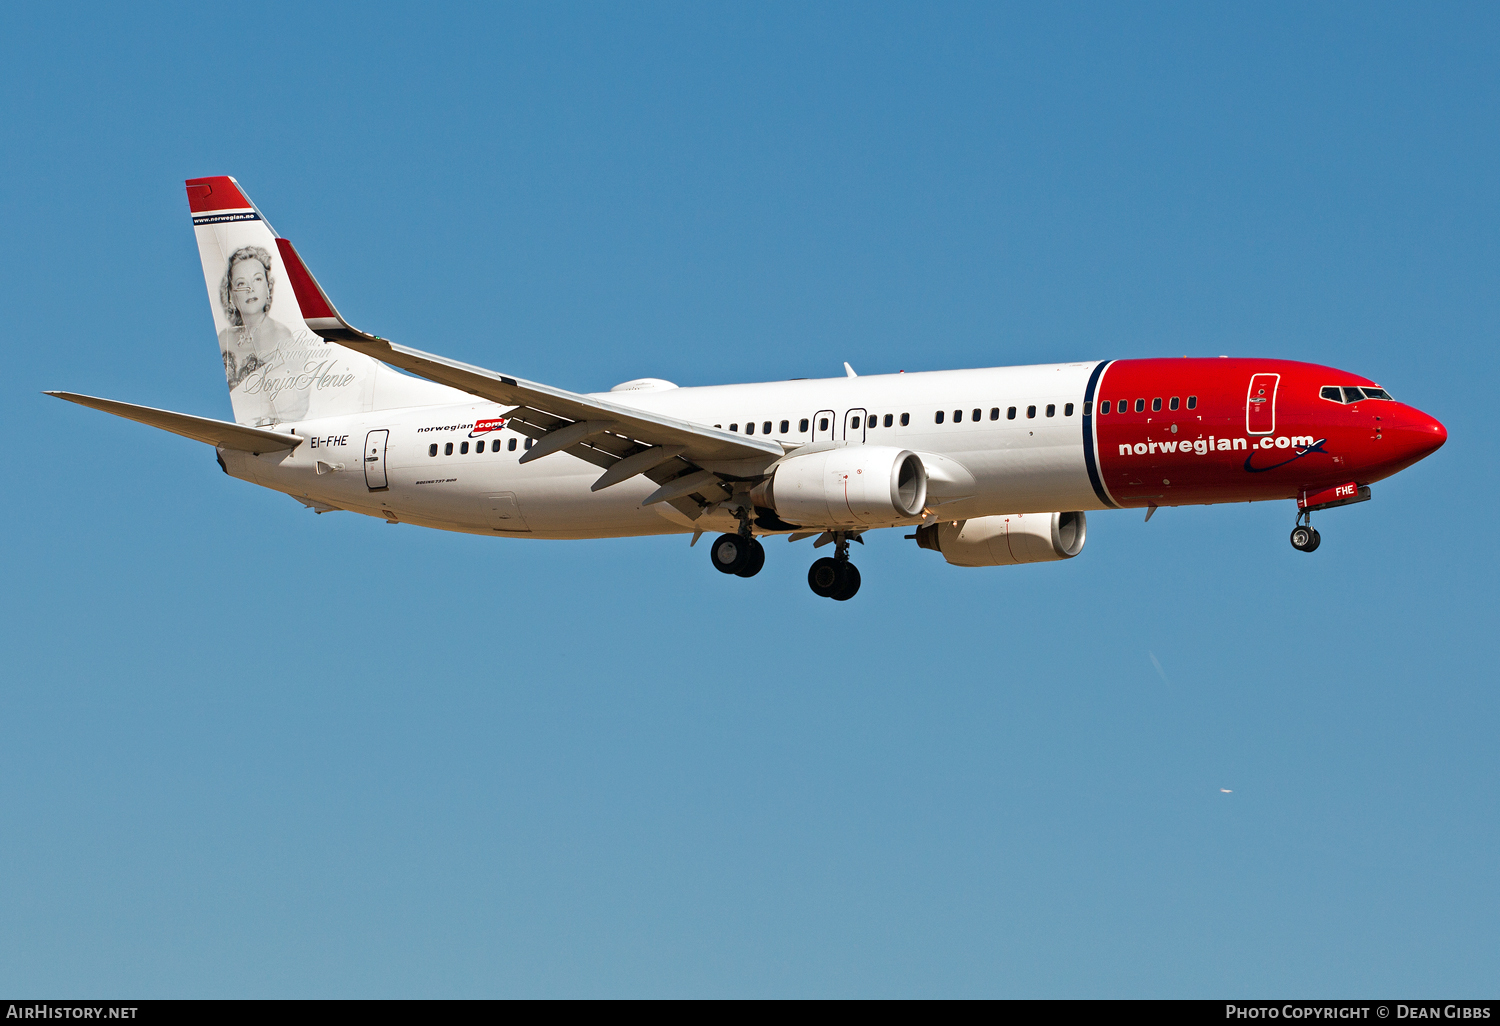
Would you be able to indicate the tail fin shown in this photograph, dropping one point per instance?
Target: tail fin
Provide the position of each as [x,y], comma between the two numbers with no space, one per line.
[279,371]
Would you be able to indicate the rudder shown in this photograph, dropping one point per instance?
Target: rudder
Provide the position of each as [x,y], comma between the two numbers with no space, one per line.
[278,370]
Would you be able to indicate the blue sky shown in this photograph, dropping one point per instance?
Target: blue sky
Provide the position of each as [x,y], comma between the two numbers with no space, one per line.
[250,751]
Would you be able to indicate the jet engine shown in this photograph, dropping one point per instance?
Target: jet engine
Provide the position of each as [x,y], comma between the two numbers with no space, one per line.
[851,486]
[1007,539]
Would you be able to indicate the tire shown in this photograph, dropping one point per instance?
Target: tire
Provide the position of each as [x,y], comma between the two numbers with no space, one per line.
[1304,539]
[756,561]
[823,577]
[849,585]
[729,553]
[1317,539]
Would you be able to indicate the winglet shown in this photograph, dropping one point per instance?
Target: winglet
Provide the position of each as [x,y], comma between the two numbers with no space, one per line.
[317,309]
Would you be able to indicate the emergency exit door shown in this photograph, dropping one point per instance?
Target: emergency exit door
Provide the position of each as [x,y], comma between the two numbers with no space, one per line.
[854,426]
[375,443]
[825,426]
[1260,404]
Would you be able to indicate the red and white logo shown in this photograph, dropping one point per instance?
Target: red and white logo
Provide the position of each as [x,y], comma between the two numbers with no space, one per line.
[484,427]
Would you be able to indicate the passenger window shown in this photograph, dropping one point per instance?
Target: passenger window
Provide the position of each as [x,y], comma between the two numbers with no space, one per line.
[889,420]
[938,417]
[802,424]
[1156,405]
[905,419]
[463,448]
[1088,407]
[448,449]
[975,416]
[530,442]
[787,424]
[1104,407]
[735,426]
[1030,412]
[750,428]
[958,416]
[1140,406]
[432,449]
[1192,402]
[1173,404]
[823,424]
[994,413]
[1068,410]
[871,421]
[854,422]
[511,445]
[495,445]
[1010,414]
[765,428]
[1051,409]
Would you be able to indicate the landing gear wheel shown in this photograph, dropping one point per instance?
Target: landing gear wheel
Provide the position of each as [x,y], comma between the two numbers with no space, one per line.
[849,585]
[823,577]
[731,553]
[757,560]
[1305,538]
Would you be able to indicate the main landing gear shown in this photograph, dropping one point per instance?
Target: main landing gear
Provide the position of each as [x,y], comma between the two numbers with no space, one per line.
[1305,537]
[830,577]
[738,554]
[835,577]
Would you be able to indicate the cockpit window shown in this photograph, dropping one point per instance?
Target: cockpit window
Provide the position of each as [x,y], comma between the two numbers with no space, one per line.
[1350,394]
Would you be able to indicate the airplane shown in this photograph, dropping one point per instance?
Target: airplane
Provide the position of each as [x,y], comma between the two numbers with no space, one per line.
[988,467]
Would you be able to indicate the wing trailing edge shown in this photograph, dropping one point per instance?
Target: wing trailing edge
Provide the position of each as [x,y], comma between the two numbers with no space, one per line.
[612,436]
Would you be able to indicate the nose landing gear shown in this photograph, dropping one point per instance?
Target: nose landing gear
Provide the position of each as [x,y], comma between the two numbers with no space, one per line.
[1305,537]
[835,577]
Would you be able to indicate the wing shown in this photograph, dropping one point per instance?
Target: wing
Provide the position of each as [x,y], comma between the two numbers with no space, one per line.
[686,460]
[200,429]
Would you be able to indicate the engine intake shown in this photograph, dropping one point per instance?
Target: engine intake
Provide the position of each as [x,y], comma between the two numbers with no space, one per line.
[1007,539]
[851,486]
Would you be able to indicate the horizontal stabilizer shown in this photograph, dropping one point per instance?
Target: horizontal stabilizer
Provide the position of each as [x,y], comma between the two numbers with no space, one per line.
[200,429]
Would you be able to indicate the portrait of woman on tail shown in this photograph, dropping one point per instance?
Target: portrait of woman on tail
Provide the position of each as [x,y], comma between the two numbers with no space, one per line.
[253,342]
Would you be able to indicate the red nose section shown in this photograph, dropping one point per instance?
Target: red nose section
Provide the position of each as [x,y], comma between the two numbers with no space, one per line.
[1417,435]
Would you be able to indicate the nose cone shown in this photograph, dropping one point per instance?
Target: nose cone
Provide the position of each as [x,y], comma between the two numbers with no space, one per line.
[1417,435]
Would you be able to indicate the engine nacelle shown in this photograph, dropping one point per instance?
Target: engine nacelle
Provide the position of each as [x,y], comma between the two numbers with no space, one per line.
[851,486]
[1007,539]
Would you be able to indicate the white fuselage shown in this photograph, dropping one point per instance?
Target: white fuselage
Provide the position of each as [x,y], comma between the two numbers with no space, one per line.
[976,467]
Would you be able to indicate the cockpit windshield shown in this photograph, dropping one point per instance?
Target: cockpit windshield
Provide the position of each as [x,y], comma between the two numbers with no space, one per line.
[1352,394]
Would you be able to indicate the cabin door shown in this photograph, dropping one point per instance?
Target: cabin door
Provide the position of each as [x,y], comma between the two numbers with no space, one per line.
[1260,404]
[375,443]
